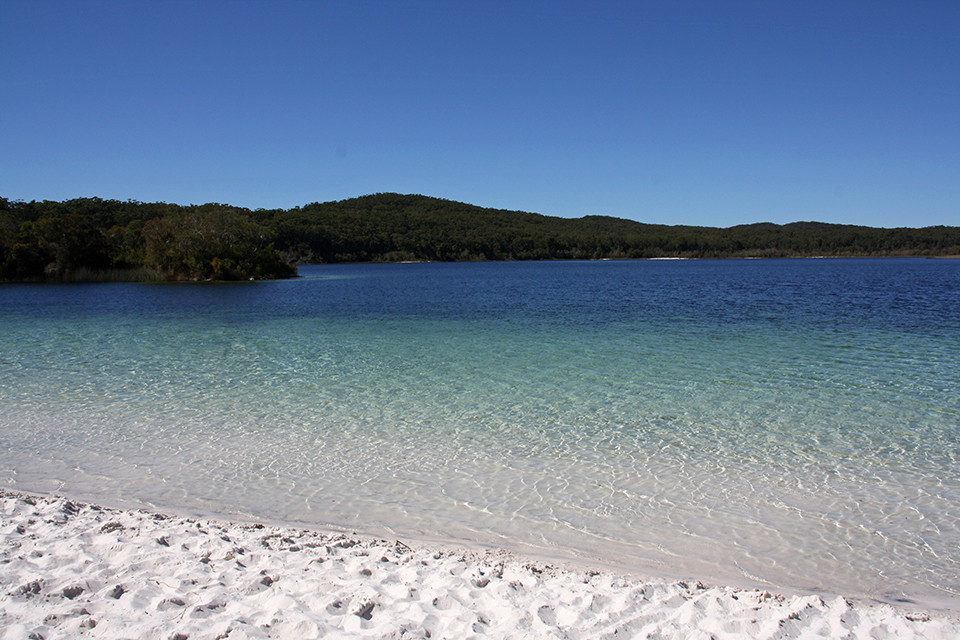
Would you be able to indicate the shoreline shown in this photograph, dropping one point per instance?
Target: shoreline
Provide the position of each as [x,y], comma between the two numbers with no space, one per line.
[926,598]
[71,568]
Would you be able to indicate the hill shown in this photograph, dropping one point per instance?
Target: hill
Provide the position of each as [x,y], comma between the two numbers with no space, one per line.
[91,238]
[392,227]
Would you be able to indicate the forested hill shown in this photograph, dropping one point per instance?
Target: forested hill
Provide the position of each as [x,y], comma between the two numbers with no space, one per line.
[90,237]
[393,227]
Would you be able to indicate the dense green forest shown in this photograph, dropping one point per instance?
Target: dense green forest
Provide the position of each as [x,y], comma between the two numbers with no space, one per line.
[91,238]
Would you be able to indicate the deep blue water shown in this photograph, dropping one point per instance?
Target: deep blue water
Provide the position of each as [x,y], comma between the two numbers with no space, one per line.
[786,423]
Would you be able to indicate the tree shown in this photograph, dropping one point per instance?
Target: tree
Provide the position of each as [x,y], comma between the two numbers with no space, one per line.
[211,243]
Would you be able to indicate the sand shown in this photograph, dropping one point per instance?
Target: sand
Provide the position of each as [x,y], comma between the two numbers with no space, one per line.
[71,570]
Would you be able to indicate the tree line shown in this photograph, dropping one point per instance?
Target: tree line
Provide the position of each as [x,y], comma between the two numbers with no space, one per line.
[91,238]
[94,239]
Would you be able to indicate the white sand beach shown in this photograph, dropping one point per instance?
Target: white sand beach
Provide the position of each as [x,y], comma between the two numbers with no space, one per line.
[75,570]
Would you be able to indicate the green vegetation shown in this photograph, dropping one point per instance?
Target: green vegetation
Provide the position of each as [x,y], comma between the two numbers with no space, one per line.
[90,238]
[213,244]
[93,239]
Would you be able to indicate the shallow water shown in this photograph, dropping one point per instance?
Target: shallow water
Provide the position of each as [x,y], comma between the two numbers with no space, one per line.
[784,423]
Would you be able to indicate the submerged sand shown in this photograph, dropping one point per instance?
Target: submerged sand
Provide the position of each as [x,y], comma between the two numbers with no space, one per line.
[72,570]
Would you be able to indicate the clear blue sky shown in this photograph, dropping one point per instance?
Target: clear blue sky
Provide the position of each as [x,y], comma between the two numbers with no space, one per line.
[706,113]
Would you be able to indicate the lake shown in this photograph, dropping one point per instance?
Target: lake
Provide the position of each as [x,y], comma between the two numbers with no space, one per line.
[788,424]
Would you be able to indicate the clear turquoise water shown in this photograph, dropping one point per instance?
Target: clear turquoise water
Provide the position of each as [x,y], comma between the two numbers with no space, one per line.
[784,423]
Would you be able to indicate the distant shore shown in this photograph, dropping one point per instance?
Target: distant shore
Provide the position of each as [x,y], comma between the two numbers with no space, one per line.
[223,242]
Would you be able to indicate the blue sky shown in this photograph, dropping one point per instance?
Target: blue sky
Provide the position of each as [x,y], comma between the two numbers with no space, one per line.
[703,113]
